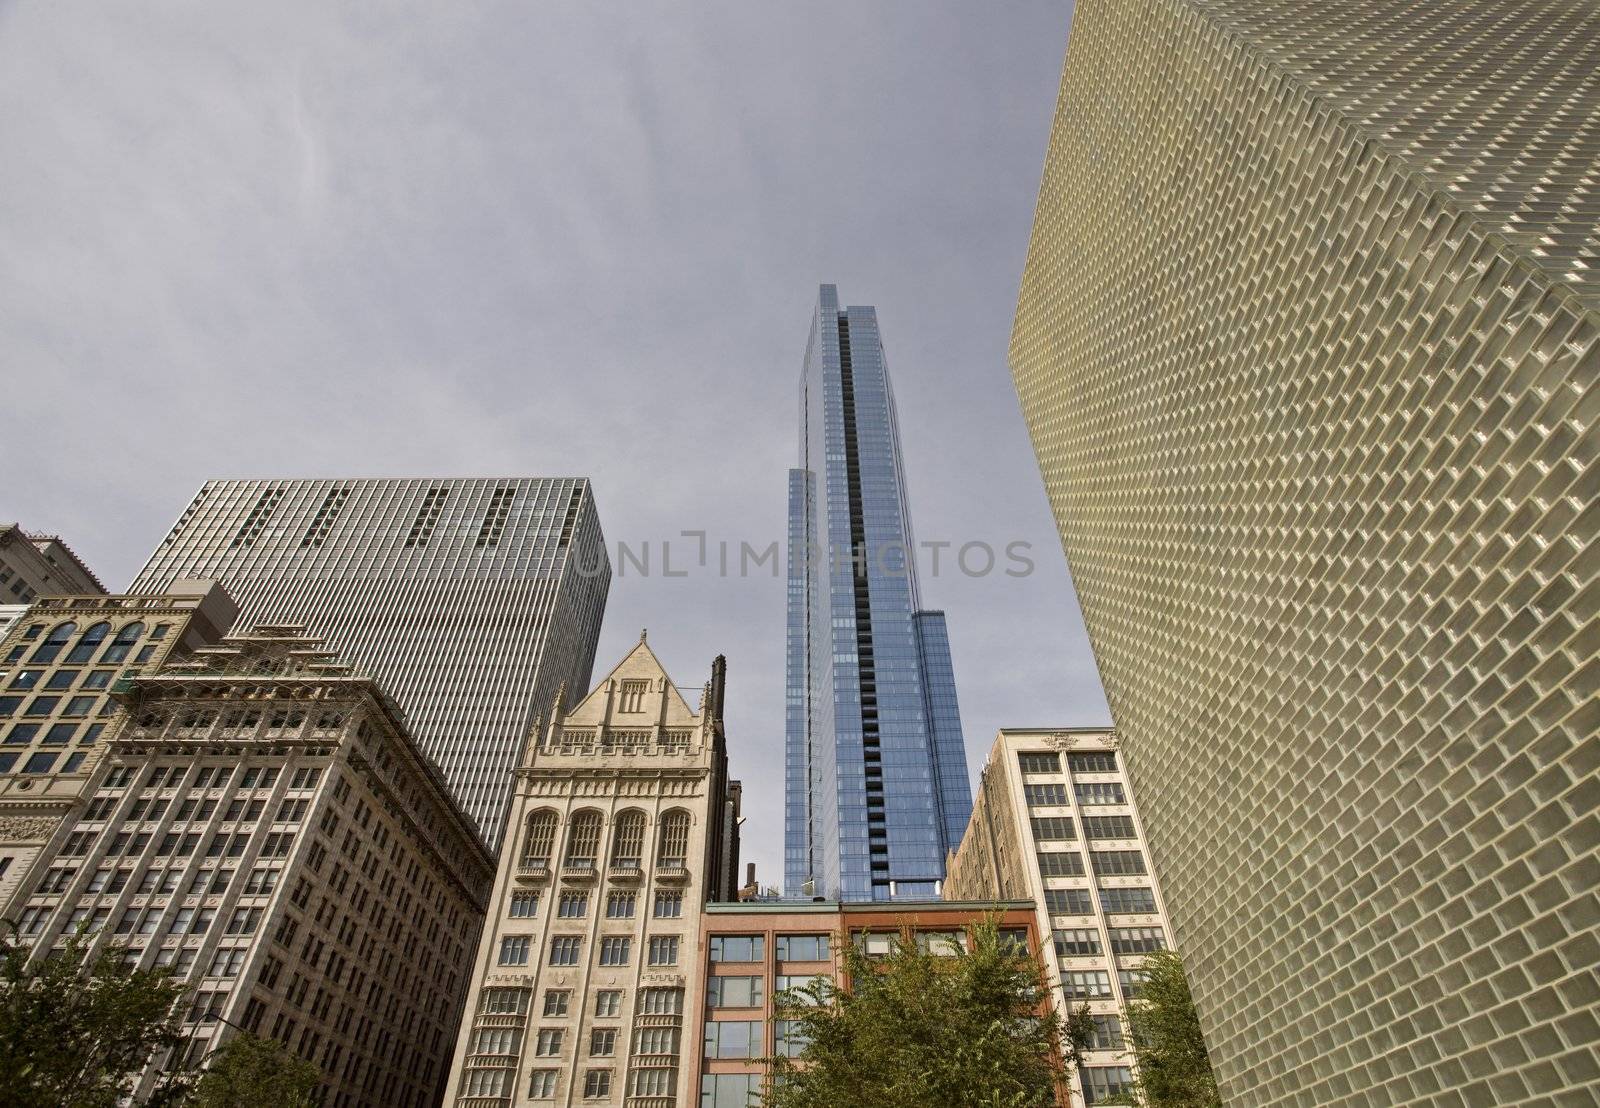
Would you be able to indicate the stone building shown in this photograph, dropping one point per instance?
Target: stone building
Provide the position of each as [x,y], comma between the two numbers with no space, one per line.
[755,950]
[58,662]
[262,823]
[1045,798]
[1308,344]
[33,565]
[589,964]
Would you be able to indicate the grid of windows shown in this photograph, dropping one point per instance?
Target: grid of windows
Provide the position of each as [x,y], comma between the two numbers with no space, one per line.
[1077,942]
[1108,827]
[1053,828]
[1126,863]
[1060,863]
[1128,899]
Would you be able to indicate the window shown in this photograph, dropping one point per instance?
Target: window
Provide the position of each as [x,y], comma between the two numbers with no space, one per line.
[663,950]
[122,644]
[42,705]
[494,1083]
[61,679]
[615,950]
[632,697]
[1039,763]
[26,678]
[602,1042]
[1085,984]
[627,841]
[9,706]
[60,734]
[556,1002]
[22,733]
[733,1039]
[802,948]
[514,950]
[669,905]
[46,652]
[88,644]
[1137,940]
[81,706]
[1108,827]
[1068,902]
[1106,1083]
[1136,899]
[583,840]
[661,1002]
[1060,863]
[730,1090]
[306,777]
[736,992]
[620,905]
[541,1083]
[547,1044]
[1091,793]
[39,763]
[504,1002]
[539,840]
[1077,942]
[524,904]
[565,949]
[1043,795]
[1107,1034]
[228,962]
[572,906]
[99,678]
[805,981]
[496,1040]
[1123,862]
[790,1039]
[673,851]
[1105,762]
[738,948]
[1053,828]
[608,1003]
[1132,982]
[656,1040]
[597,1083]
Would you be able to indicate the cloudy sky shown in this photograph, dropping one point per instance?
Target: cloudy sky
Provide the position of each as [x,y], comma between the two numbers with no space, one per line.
[312,239]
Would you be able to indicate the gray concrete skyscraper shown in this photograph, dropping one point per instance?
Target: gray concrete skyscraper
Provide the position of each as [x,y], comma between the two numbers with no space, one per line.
[1309,346]
[876,787]
[471,599]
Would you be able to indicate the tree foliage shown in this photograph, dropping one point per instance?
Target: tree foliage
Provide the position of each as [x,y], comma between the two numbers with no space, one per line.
[251,1072]
[1174,1070]
[970,1029]
[75,1032]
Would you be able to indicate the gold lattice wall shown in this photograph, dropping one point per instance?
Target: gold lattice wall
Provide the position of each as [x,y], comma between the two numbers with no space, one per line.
[1309,348]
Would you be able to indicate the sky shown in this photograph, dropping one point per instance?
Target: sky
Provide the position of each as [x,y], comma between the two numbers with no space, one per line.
[572,238]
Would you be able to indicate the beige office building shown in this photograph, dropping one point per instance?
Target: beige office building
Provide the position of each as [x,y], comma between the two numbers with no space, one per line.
[1054,823]
[59,659]
[1308,343]
[262,823]
[34,565]
[589,965]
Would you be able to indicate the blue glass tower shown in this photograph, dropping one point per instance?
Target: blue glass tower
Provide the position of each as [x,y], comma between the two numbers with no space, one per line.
[876,770]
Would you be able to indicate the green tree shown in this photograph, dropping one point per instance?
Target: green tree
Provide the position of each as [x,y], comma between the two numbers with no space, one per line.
[248,1071]
[1174,1070]
[75,1032]
[971,1028]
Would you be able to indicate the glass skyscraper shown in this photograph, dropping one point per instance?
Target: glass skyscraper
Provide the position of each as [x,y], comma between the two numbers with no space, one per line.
[876,771]
[473,600]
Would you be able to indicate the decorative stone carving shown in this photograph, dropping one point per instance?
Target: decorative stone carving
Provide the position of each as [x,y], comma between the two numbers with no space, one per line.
[27,829]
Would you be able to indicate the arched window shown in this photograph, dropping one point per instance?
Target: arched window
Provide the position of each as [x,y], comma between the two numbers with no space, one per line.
[583,839]
[674,848]
[118,650]
[540,840]
[627,841]
[53,642]
[89,644]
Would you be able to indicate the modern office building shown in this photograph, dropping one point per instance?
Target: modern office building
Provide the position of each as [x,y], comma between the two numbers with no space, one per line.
[1308,343]
[34,565]
[1045,799]
[755,950]
[57,663]
[471,599]
[262,823]
[589,962]
[876,783]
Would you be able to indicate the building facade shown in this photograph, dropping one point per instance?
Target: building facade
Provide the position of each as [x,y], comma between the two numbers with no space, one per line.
[753,951]
[876,787]
[262,823]
[1308,343]
[471,599]
[33,565]
[1045,799]
[58,662]
[589,963]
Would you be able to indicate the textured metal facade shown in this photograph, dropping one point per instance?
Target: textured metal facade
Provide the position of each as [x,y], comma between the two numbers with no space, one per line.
[1307,346]
[471,599]
[876,775]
